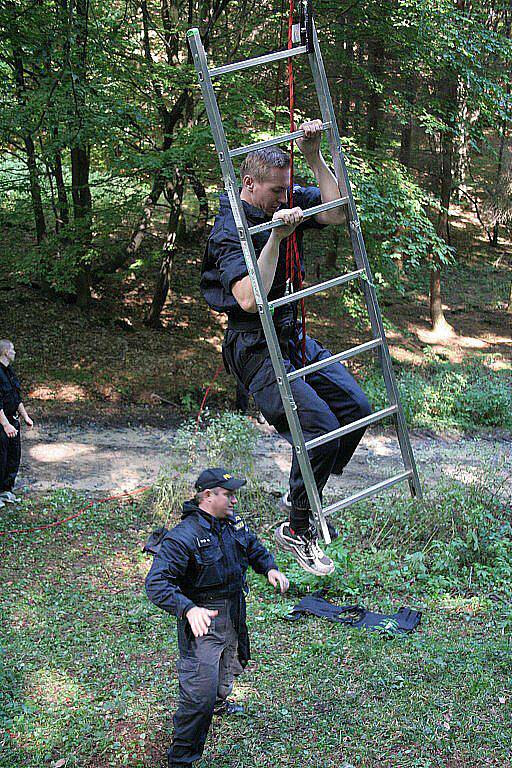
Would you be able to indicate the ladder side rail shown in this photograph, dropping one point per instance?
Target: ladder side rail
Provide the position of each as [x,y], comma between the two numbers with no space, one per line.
[328,113]
[356,236]
[228,172]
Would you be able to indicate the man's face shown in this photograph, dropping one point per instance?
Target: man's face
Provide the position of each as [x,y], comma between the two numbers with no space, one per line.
[221,503]
[10,353]
[270,194]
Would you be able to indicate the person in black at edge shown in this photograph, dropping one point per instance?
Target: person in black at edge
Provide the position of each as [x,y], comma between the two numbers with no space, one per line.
[325,400]
[199,575]
[11,408]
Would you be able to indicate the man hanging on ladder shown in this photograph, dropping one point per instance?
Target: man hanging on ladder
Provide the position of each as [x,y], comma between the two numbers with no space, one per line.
[326,399]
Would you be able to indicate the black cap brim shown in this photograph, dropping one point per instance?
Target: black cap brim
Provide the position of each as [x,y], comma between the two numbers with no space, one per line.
[232,485]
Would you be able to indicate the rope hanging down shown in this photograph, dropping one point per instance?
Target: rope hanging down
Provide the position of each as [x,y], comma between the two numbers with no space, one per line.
[293,265]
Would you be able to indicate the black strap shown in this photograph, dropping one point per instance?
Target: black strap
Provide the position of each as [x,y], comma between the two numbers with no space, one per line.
[405,620]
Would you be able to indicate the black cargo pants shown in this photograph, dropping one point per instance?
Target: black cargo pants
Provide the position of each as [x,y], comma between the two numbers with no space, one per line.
[206,670]
[10,456]
[325,400]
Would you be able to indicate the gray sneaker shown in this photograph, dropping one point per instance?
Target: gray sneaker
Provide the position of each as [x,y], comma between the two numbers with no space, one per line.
[1,504]
[305,549]
[285,506]
[9,497]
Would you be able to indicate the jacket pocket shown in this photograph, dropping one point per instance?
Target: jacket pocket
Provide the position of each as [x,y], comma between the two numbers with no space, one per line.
[210,570]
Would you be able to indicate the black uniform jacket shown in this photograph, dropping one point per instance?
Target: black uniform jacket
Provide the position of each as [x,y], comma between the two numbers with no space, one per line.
[224,262]
[203,558]
[10,391]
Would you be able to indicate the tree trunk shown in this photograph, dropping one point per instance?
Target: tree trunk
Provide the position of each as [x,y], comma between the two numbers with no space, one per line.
[82,214]
[467,118]
[501,153]
[28,141]
[35,189]
[174,194]
[347,56]
[200,193]
[62,195]
[407,129]
[80,161]
[375,64]
[447,94]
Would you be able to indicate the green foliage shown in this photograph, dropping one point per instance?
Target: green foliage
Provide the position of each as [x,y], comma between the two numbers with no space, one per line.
[459,534]
[97,82]
[393,211]
[227,440]
[446,395]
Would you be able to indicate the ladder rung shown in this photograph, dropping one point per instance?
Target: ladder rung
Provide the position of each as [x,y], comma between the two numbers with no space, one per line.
[351,427]
[268,57]
[334,359]
[272,142]
[298,295]
[371,491]
[307,213]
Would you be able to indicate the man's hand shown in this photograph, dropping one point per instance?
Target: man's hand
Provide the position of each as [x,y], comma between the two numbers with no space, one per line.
[10,431]
[200,619]
[278,580]
[28,421]
[292,218]
[309,144]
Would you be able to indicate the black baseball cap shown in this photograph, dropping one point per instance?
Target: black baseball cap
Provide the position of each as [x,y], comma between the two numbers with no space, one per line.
[218,477]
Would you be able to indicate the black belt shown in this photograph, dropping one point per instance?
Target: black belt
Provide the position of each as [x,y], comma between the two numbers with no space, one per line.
[281,316]
[225,593]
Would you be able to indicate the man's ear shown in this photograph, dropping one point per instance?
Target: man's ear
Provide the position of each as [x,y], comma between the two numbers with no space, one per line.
[248,182]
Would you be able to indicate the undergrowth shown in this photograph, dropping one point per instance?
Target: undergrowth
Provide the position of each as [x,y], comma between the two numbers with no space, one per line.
[446,395]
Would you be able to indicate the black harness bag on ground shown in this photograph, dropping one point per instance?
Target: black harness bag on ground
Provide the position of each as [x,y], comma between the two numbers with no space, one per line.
[403,621]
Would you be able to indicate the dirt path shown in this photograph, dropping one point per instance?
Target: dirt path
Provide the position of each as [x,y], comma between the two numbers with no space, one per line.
[94,459]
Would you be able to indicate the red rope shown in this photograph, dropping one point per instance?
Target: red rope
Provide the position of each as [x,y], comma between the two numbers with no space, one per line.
[279,66]
[203,402]
[293,265]
[124,495]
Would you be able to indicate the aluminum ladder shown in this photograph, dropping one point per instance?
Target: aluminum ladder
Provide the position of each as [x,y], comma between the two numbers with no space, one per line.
[305,34]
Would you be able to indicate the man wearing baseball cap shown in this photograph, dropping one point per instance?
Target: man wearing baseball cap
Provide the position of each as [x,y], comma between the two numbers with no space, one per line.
[199,576]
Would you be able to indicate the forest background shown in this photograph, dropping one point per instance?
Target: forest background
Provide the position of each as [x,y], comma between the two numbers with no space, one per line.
[109,181]
[108,186]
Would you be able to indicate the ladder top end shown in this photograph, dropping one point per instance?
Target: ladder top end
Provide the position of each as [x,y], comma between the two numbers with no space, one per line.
[192,32]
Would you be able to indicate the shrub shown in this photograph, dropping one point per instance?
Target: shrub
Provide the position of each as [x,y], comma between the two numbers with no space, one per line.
[226,440]
[464,396]
[458,533]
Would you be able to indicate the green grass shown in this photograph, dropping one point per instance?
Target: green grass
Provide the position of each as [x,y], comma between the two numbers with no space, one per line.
[88,663]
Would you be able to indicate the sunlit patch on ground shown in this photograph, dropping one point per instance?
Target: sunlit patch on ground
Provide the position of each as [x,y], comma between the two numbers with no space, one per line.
[53,452]
[466,605]
[68,393]
[48,686]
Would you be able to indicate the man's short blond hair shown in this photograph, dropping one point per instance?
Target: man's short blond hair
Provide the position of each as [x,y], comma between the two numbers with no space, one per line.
[258,163]
[4,345]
